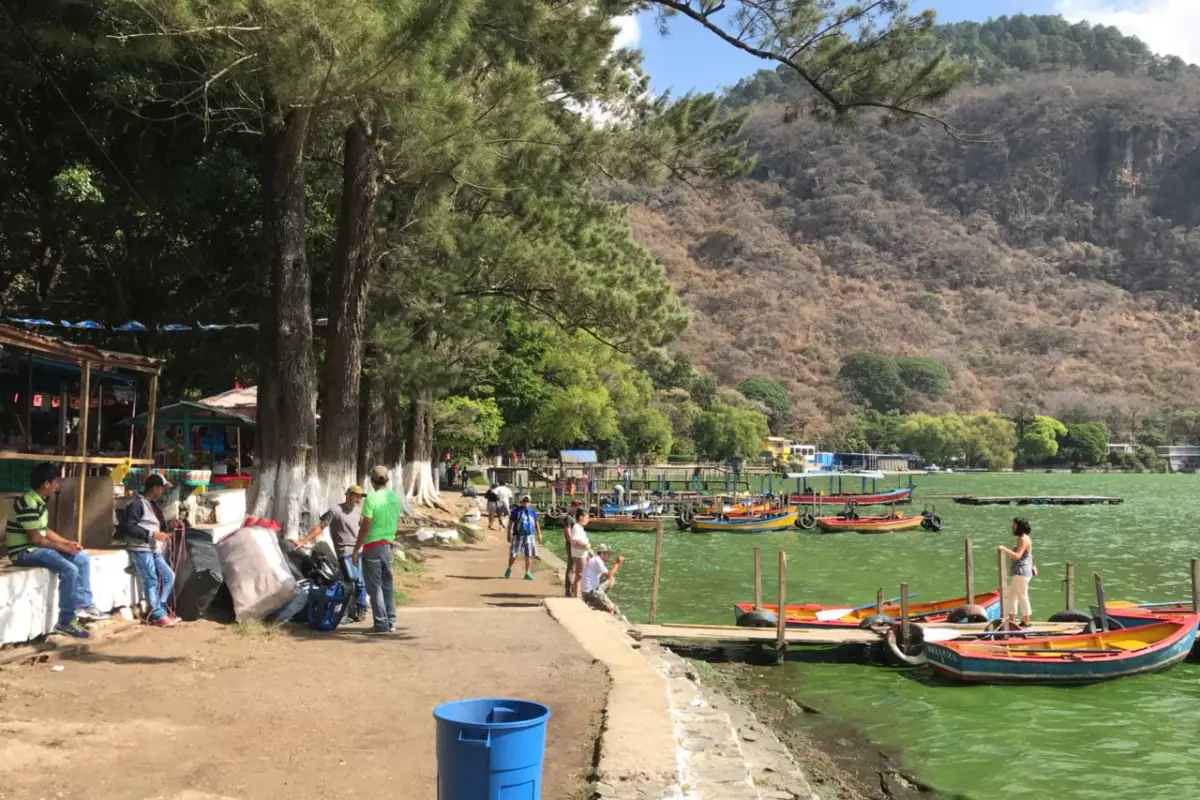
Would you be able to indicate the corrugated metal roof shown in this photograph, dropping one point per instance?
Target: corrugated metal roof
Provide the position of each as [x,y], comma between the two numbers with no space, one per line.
[578,456]
[77,353]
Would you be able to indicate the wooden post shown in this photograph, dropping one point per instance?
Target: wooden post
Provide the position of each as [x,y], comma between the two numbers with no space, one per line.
[969,566]
[1195,584]
[29,402]
[757,578]
[99,416]
[658,534]
[64,402]
[879,600]
[781,611]
[1069,584]
[151,411]
[1000,575]
[904,623]
[85,396]
[1100,601]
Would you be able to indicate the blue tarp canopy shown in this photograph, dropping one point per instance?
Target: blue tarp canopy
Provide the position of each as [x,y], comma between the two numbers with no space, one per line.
[578,457]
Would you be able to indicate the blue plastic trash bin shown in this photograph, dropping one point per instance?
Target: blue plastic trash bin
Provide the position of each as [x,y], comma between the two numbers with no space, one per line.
[490,749]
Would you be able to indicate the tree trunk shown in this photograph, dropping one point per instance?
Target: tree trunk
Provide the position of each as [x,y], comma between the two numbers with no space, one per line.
[420,487]
[287,385]
[339,429]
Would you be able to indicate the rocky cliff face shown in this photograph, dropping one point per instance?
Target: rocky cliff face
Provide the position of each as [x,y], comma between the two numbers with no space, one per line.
[1055,263]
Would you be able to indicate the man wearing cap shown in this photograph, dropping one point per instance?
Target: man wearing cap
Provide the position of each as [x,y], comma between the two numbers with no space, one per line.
[598,579]
[343,522]
[142,527]
[373,550]
[523,525]
[31,543]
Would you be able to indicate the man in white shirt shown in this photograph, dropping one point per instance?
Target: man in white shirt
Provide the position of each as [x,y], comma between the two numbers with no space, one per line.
[503,502]
[598,579]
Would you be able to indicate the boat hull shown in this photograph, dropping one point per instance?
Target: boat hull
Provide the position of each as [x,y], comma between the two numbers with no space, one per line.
[869,524]
[902,495]
[1166,643]
[622,523]
[779,522]
[805,615]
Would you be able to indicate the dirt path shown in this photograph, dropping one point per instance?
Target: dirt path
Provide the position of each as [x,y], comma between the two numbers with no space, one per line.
[249,713]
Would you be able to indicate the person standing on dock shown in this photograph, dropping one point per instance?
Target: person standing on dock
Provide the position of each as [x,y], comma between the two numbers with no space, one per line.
[523,525]
[580,548]
[568,527]
[1022,571]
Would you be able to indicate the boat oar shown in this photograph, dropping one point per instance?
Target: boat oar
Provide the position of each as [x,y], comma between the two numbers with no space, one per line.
[1133,604]
[837,613]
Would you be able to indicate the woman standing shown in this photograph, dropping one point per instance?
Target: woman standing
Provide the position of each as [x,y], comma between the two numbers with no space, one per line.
[580,548]
[1021,570]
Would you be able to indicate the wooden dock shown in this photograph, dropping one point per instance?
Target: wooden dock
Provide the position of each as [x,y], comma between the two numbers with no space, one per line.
[732,634]
[1036,500]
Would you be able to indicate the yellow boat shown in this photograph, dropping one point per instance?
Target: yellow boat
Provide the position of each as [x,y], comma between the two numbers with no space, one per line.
[762,524]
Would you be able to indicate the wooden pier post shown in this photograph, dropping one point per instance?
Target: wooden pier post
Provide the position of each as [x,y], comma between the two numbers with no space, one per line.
[904,623]
[85,402]
[1195,583]
[1000,587]
[1069,583]
[658,534]
[879,600]
[969,566]
[1100,601]
[781,612]
[757,578]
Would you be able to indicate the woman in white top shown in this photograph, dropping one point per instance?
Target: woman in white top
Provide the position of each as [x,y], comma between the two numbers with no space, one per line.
[579,548]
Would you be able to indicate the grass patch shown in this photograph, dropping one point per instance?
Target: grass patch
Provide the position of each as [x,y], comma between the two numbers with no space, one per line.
[407,565]
[402,597]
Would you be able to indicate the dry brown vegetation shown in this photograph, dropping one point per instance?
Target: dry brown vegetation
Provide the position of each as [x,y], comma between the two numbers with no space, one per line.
[1055,266]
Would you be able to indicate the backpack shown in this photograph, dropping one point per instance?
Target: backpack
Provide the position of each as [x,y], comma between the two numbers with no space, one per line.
[490,496]
[327,606]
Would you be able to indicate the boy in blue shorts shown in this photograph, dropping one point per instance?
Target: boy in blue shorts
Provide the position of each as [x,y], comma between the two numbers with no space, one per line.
[523,525]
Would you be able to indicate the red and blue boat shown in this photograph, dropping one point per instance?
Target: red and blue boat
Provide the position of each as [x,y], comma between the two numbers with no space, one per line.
[815,615]
[1083,658]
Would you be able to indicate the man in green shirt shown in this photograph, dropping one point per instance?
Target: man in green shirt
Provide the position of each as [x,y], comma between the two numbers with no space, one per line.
[376,536]
[31,543]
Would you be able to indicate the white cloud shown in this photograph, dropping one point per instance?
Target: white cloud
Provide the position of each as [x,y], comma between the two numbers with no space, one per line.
[629,32]
[1169,27]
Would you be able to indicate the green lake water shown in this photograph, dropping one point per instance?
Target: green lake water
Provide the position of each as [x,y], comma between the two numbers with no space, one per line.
[1131,738]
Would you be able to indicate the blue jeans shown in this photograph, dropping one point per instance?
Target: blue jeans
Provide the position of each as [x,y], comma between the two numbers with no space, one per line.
[354,573]
[157,580]
[74,577]
[377,573]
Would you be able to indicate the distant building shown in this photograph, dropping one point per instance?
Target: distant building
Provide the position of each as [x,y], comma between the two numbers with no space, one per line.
[1122,447]
[1181,457]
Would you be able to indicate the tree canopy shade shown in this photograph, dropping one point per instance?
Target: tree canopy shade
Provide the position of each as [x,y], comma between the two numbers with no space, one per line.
[465,425]
[727,432]
[875,379]
[1084,443]
[924,376]
[773,396]
[1039,442]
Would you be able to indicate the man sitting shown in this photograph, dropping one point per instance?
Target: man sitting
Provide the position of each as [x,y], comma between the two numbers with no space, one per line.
[31,543]
[142,528]
[598,579]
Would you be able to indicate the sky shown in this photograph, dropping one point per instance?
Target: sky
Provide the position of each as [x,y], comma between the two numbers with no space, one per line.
[689,58]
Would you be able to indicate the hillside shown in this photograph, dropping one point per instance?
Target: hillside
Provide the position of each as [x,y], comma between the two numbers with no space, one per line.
[1054,266]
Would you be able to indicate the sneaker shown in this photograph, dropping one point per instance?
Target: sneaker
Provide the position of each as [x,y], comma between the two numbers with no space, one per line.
[163,622]
[508,573]
[378,632]
[528,576]
[74,629]
[91,612]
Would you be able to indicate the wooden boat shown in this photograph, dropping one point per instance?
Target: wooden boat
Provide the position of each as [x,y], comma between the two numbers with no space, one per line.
[739,510]
[758,524]
[886,524]
[622,522]
[1083,658]
[628,509]
[805,615]
[899,495]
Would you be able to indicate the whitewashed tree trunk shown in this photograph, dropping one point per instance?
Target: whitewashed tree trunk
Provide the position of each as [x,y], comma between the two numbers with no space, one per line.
[420,487]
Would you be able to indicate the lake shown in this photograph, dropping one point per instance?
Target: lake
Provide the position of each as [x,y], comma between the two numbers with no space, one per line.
[1131,738]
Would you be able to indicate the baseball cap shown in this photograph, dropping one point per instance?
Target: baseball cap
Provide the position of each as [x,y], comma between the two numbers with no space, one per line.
[525,497]
[603,548]
[154,480]
[354,488]
[380,473]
